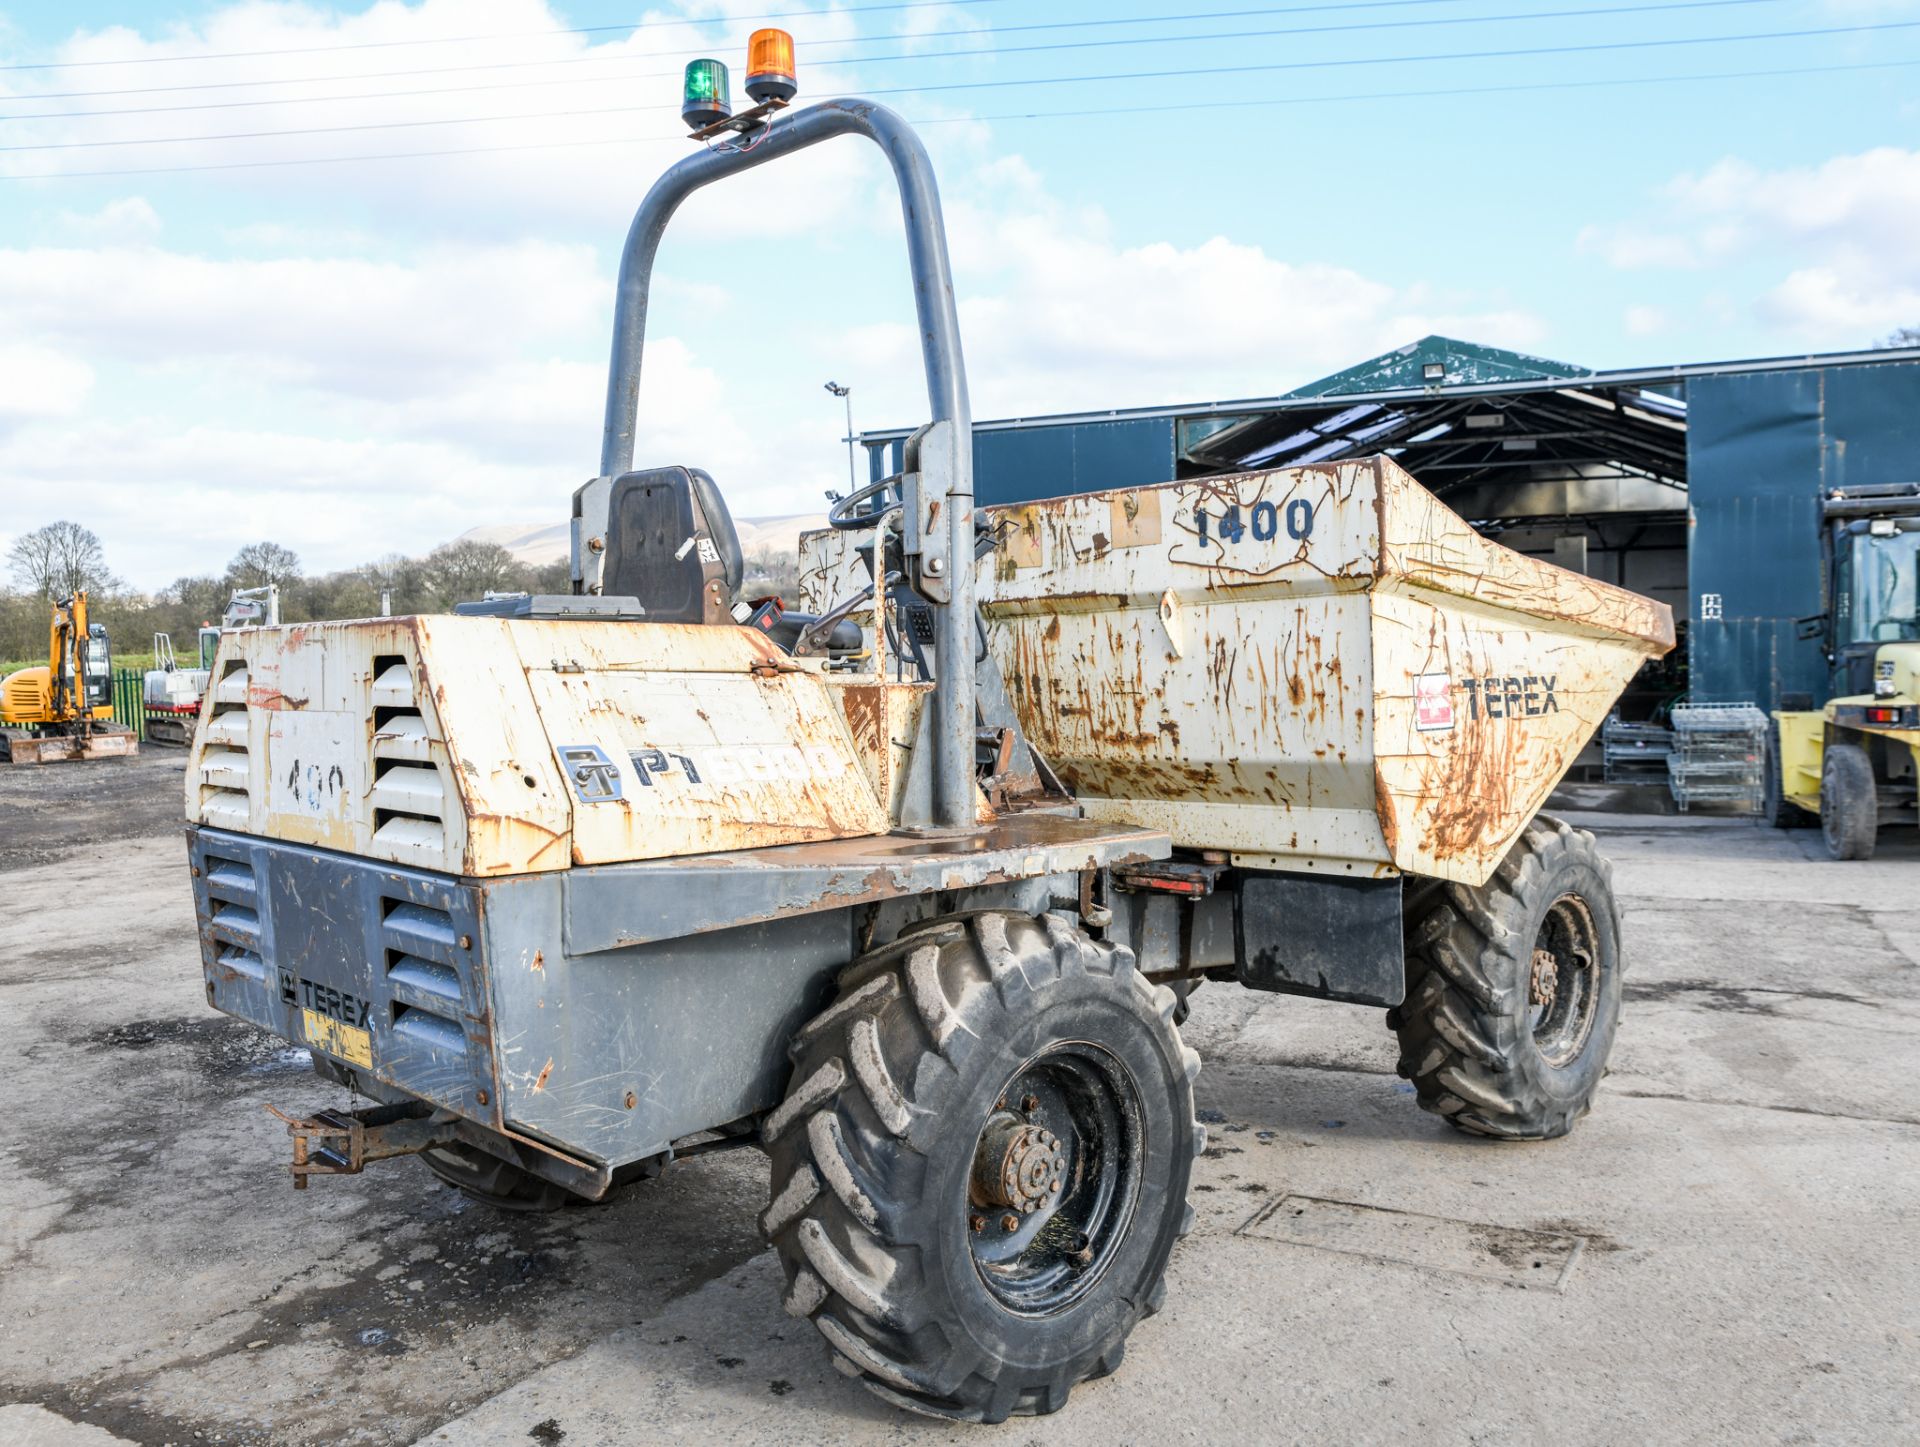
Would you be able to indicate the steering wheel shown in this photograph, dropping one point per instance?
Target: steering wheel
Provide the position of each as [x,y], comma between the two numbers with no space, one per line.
[858,511]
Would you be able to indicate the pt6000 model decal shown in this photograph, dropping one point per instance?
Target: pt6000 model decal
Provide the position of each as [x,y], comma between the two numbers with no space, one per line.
[737,764]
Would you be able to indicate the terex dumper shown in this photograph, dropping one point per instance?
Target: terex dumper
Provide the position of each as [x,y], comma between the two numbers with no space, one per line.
[911,891]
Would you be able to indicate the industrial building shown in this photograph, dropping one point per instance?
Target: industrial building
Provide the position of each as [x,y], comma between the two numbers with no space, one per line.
[1697,485]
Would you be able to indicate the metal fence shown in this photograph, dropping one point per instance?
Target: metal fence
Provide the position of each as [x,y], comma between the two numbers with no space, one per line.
[130,700]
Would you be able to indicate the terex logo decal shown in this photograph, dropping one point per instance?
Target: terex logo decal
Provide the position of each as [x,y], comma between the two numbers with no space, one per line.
[1525,695]
[325,1000]
[594,776]
[1432,703]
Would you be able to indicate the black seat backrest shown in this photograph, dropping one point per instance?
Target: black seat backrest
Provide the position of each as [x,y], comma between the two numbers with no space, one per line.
[671,544]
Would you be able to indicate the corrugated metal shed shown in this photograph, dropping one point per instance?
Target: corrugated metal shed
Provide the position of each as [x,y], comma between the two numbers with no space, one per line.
[1719,462]
[1437,361]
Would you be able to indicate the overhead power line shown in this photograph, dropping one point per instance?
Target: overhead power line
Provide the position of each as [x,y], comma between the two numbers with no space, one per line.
[805,46]
[499,35]
[918,56]
[1596,47]
[1126,110]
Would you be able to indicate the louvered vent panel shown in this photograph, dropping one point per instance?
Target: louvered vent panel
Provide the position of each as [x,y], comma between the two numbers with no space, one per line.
[410,794]
[423,955]
[234,896]
[226,766]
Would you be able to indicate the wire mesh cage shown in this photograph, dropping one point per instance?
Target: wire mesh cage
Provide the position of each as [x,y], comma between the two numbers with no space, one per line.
[1634,753]
[1718,755]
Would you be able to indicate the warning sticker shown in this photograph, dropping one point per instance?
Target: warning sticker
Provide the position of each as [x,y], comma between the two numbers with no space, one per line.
[336,1037]
[1432,703]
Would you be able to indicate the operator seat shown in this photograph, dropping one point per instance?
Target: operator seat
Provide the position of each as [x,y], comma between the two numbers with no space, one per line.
[671,544]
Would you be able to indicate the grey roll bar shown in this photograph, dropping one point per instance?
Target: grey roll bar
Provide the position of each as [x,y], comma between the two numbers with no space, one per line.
[953,684]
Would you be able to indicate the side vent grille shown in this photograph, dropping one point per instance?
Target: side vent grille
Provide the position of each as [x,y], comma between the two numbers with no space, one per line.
[409,793]
[226,799]
[423,958]
[235,924]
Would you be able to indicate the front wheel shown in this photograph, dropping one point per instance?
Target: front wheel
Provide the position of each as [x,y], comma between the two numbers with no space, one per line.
[981,1165]
[1849,802]
[1513,989]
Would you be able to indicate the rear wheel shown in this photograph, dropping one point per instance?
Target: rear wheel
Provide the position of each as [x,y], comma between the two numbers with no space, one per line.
[981,1166]
[1513,989]
[1849,802]
[1775,807]
[494,1182]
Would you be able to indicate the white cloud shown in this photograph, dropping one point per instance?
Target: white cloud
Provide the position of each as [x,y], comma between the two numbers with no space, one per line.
[39,382]
[587,120]
[1834,243]
[128,220]
[348,324]
[1056,315]
[1645,321]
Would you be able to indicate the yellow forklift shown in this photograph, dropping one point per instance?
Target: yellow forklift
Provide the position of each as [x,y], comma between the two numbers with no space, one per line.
[1853,764]
[65,710]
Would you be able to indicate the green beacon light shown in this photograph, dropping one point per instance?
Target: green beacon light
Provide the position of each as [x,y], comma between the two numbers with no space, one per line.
[706,99]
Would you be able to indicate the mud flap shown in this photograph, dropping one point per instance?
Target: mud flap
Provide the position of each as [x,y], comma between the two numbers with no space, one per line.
[1333,939]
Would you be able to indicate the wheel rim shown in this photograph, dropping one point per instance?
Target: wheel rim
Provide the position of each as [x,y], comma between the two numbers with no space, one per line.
[1563,988]
[1056,1173]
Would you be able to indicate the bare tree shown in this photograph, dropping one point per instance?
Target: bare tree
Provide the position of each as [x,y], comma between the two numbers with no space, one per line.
[258,564]
[468,568]
[200,601]
[1900,337]
[60,559]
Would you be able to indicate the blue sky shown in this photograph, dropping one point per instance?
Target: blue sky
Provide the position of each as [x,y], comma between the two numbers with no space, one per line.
[357,357]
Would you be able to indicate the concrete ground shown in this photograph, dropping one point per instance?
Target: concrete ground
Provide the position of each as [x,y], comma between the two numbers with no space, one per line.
[1725,1249]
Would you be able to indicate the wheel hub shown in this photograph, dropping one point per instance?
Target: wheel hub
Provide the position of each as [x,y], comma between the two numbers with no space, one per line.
[1563,985]
[1018,1165]
[1546,978]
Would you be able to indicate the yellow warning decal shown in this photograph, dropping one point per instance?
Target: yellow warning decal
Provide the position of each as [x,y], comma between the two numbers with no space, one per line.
[353,1045]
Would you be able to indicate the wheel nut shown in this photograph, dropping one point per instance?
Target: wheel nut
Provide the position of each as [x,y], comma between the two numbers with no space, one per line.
[1029,1103]
[976,1222]
[1009,1222]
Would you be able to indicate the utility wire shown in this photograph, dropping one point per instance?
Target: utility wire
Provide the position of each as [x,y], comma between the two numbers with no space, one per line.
[1597,47]
[892,56]
[1132,110]
[513,35]
[806,46]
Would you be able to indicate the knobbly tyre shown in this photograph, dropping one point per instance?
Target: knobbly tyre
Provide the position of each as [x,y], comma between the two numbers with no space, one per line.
[573,885]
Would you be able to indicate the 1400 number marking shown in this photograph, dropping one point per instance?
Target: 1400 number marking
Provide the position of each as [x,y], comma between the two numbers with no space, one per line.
[1263,523]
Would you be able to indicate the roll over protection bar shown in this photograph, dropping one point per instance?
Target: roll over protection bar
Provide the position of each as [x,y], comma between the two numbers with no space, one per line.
[953,685]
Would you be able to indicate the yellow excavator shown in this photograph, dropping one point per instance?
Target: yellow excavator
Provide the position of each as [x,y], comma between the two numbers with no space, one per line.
[65,710]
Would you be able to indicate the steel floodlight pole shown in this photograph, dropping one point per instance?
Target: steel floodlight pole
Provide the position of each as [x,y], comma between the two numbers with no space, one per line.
[953,684]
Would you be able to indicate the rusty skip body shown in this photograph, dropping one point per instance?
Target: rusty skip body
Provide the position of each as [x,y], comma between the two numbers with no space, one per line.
[1318,668]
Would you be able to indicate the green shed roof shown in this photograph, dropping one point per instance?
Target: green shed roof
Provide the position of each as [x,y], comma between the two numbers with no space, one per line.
[1457,364]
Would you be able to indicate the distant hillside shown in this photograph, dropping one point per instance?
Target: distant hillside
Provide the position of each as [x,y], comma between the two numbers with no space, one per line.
[535,543]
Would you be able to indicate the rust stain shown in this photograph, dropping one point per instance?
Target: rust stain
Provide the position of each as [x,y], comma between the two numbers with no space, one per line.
[540,1081]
